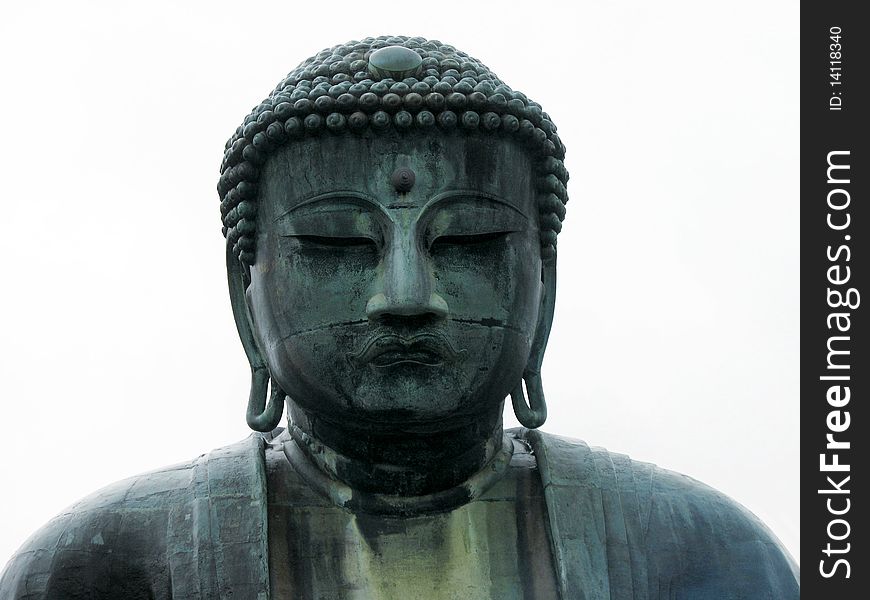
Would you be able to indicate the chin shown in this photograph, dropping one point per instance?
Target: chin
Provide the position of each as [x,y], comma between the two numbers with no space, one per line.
[414,393]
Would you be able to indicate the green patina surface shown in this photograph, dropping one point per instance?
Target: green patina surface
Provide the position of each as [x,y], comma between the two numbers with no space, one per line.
[391,214]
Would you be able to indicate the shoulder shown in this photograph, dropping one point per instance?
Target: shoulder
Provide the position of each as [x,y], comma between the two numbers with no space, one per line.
[674,533]
[706,543]
[122,540]
[116,529]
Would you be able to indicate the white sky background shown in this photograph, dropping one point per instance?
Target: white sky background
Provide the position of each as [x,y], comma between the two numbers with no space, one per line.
[676,333]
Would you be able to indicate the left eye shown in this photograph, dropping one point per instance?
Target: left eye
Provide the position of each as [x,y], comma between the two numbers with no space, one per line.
[467,239]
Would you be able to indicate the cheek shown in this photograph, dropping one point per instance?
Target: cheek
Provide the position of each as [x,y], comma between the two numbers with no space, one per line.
[301,302]
[303,353]
[311,289]
[497,283]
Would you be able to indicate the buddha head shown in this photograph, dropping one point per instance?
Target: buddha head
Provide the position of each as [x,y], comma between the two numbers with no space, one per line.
[391,212]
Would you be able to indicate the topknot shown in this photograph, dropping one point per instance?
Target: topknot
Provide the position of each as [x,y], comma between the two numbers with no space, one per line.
[337,91]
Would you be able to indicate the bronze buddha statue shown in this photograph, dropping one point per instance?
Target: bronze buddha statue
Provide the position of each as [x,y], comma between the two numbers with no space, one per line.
[391,212]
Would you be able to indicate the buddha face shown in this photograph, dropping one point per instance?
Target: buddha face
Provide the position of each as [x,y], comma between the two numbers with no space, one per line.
[397,282]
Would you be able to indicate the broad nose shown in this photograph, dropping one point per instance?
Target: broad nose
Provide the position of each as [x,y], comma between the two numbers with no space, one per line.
[405,287]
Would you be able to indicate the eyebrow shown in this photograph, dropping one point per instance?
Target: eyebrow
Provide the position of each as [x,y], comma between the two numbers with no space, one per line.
[337,195]
[372,203]
[471,195]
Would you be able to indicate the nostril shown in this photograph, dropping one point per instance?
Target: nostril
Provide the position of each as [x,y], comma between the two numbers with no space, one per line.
[438,305]
[376,306]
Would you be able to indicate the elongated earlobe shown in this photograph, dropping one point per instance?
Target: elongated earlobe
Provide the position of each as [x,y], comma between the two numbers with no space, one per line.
[533,414]
[263,416]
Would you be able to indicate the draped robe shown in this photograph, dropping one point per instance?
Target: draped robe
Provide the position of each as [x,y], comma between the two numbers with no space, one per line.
[615,529]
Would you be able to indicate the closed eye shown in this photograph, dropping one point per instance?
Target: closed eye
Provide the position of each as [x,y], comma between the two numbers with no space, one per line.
[468,239]
[324,241]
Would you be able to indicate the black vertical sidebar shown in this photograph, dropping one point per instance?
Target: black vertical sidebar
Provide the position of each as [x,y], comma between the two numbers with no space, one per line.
[835,300]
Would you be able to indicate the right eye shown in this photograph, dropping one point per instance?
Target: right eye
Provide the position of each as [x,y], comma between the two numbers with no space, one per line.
[322,241]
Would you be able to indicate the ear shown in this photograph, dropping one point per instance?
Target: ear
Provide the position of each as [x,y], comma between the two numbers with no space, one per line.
[260,415]
[534,414]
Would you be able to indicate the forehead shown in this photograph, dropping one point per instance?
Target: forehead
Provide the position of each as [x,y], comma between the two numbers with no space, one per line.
[365,165]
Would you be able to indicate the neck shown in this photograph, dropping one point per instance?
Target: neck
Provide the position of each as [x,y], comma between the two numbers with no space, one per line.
[398,462]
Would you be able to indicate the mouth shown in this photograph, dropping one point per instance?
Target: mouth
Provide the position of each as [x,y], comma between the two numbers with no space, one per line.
[396,356]
[389,350]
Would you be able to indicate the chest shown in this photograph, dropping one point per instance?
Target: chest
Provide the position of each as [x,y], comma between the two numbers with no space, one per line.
[494,547]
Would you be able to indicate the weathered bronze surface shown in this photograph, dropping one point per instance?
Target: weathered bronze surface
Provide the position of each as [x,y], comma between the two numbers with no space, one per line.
[391,214]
